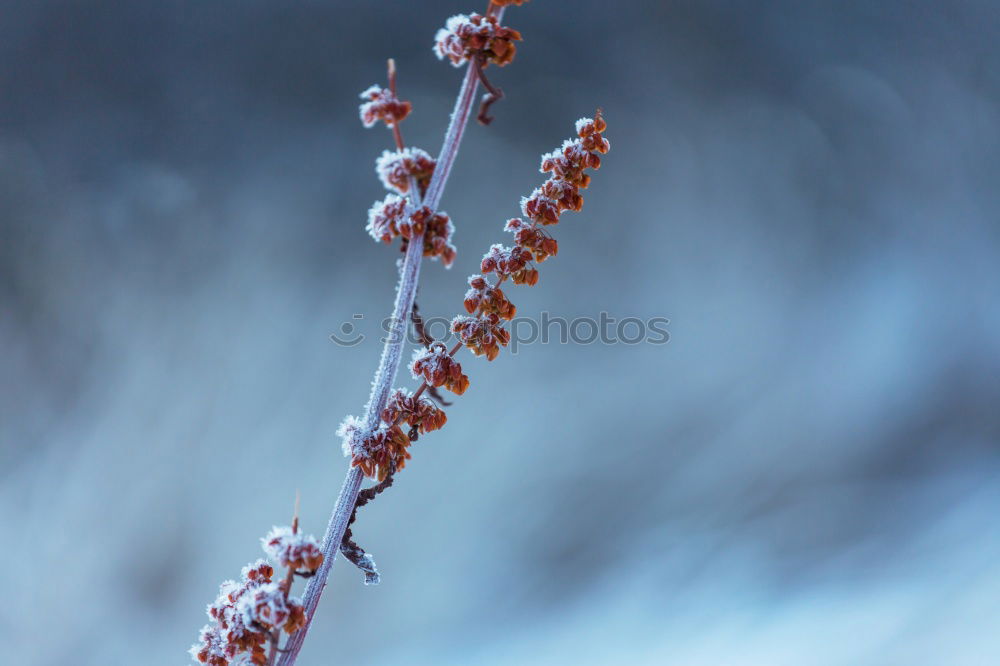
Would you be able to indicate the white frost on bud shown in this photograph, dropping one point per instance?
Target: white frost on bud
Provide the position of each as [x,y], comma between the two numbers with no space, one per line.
[351,433]
[286,547]
[399,161]
[264,605]
[448,34]
[382,215]
[212,644]
[432,358]
[371,91]
[373,95]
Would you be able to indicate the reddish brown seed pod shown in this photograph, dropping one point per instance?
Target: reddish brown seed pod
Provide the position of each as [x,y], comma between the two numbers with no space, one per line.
[244,616]
[504,260]
[436,366]
[382,104]
[476,37]
[385,217]
[540,244]
[415,224]
[377,452]
[482,335]
[437,238]
[528,276]
[396,167]
[540,208]
[292,549]
[486,298]
[296,617]
[565,194]
[420,413]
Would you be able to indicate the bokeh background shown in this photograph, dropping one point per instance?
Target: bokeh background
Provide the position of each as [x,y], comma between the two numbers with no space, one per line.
[808,473]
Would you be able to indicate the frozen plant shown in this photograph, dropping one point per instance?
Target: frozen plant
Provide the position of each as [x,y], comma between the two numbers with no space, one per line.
[250,617]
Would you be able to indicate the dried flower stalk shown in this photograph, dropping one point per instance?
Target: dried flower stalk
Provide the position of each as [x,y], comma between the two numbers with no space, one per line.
[378,442]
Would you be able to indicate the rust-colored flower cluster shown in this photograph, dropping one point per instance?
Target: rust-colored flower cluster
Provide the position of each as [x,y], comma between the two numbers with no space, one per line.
[566,165]
[476,37]
[436,229]
[382,104]
[384,218]
[488,299]
[436,367]
[396,167]
[420,413]
[389,218]
[248,617]
[536,241]
[385,450]
[509,262]
[380,452]
[483,333]
[292,549]
[230,636]
[375,452]
[248,614]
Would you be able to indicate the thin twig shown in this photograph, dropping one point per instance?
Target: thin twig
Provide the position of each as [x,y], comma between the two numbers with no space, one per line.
[493,95]
[351,550]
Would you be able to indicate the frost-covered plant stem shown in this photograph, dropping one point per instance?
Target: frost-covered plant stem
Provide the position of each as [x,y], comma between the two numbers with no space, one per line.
[385,376]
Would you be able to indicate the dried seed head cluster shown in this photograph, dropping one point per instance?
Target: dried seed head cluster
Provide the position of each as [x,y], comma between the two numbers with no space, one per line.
[385,450]
[292,549]
[437,367]
[540,244]
[253,611]
[396,167]
[507,261]
[437,230]
[266,606]
[566,165]
[249,614]
[382,104]
[389,218]
[374,452]
[483,333]
[476,37]
[486,298]
[418,412]
[399,170]
[381,452]
[437,239]
[384,218]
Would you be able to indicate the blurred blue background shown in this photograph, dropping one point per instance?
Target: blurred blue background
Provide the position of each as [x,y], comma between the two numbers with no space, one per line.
[808,473]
